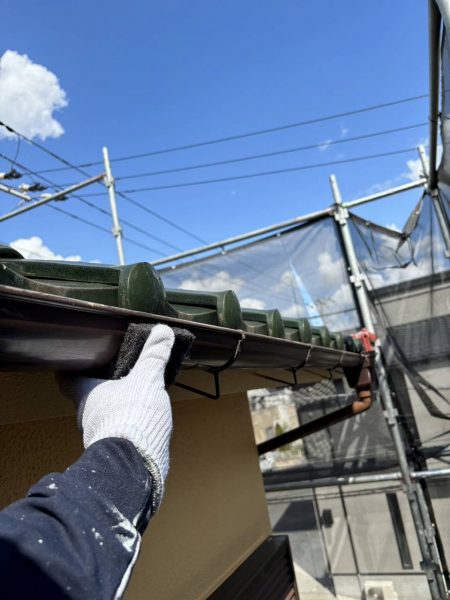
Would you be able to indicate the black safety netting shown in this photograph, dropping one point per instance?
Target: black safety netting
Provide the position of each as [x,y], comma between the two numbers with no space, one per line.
[303,272]
[362,535]
[408,278]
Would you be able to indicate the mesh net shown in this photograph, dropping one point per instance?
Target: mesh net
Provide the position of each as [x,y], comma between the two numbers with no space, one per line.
[408,276]
[361,538]
[303,273]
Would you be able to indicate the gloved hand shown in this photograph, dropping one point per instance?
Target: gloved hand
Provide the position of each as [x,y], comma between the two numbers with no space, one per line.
[136,407]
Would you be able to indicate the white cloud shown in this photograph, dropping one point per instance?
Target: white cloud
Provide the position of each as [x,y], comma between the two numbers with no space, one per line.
[252,303]
[330,271]
[413,173]
[30,95]
[295,310]
[35,248]
[324,145]
[415,170]
[381,186]
[287,281]
[393,227]
[342,297]
[219,282]
[344,131]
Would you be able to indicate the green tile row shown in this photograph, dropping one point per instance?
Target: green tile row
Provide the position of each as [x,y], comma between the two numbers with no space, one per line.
[139,287]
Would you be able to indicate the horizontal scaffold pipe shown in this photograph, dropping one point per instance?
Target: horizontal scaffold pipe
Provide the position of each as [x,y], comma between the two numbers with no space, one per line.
[354,480]
[289,223]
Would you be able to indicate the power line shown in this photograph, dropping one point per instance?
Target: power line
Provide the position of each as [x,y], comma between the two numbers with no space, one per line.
[100,228]
[266,173]
[85,174]
[78,218]
[160,217]
[275,153]
[100,210]
[254,133]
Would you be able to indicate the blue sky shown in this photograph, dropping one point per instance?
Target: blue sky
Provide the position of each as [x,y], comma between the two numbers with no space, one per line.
[153,75]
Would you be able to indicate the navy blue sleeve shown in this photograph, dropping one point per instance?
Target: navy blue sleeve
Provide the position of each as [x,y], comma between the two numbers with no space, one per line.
[77,534]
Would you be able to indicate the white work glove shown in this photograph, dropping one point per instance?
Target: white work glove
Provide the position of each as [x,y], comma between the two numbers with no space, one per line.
[136,407]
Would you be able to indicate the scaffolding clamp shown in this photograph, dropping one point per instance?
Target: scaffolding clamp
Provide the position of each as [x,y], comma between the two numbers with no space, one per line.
[391,416]
[341,214]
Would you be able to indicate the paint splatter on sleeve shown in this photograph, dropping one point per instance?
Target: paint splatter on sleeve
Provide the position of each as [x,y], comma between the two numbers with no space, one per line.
[77,534]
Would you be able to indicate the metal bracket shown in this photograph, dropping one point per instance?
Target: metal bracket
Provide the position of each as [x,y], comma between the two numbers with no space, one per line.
[288,383]
[338,364]
[215,372]
[341,215]
[430,568]
[306,361]
[293,370]
[357,280]
[108,181]
[215,396]
[391,416]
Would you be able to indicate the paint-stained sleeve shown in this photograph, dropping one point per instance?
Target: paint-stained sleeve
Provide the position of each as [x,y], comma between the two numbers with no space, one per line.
[77,534]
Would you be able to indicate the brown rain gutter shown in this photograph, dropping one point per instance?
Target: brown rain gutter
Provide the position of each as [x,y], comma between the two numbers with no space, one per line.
[44,331]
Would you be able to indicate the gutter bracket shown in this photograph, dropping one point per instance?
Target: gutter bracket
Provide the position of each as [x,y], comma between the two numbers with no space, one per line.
[293,370]
[288,383]
[214,396]
[215,372]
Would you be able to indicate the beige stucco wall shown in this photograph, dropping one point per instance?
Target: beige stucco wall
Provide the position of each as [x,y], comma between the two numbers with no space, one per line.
[214,513]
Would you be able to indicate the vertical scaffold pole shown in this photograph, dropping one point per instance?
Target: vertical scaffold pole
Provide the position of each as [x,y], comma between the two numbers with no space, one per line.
[439,210]
[422,522]
[109,182]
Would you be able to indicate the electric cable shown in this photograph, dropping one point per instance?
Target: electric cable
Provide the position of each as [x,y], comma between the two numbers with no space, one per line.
[161,218]
[265,173]
[100,228]
[269,154]
[99,209]
[85,174]
[248,134]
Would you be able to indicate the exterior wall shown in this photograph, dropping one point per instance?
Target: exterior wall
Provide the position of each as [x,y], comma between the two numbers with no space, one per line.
[410,302]
[214,513]
[341,540]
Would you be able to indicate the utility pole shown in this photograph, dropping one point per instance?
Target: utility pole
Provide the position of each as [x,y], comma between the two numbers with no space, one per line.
[419,510]
[116,229]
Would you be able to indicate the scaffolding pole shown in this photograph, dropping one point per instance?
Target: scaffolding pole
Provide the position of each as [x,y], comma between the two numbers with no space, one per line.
[355,480]
[434,37]
[326,212]
[18,194]
[435,198]
[116,228]
[431,563]
[50,197]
